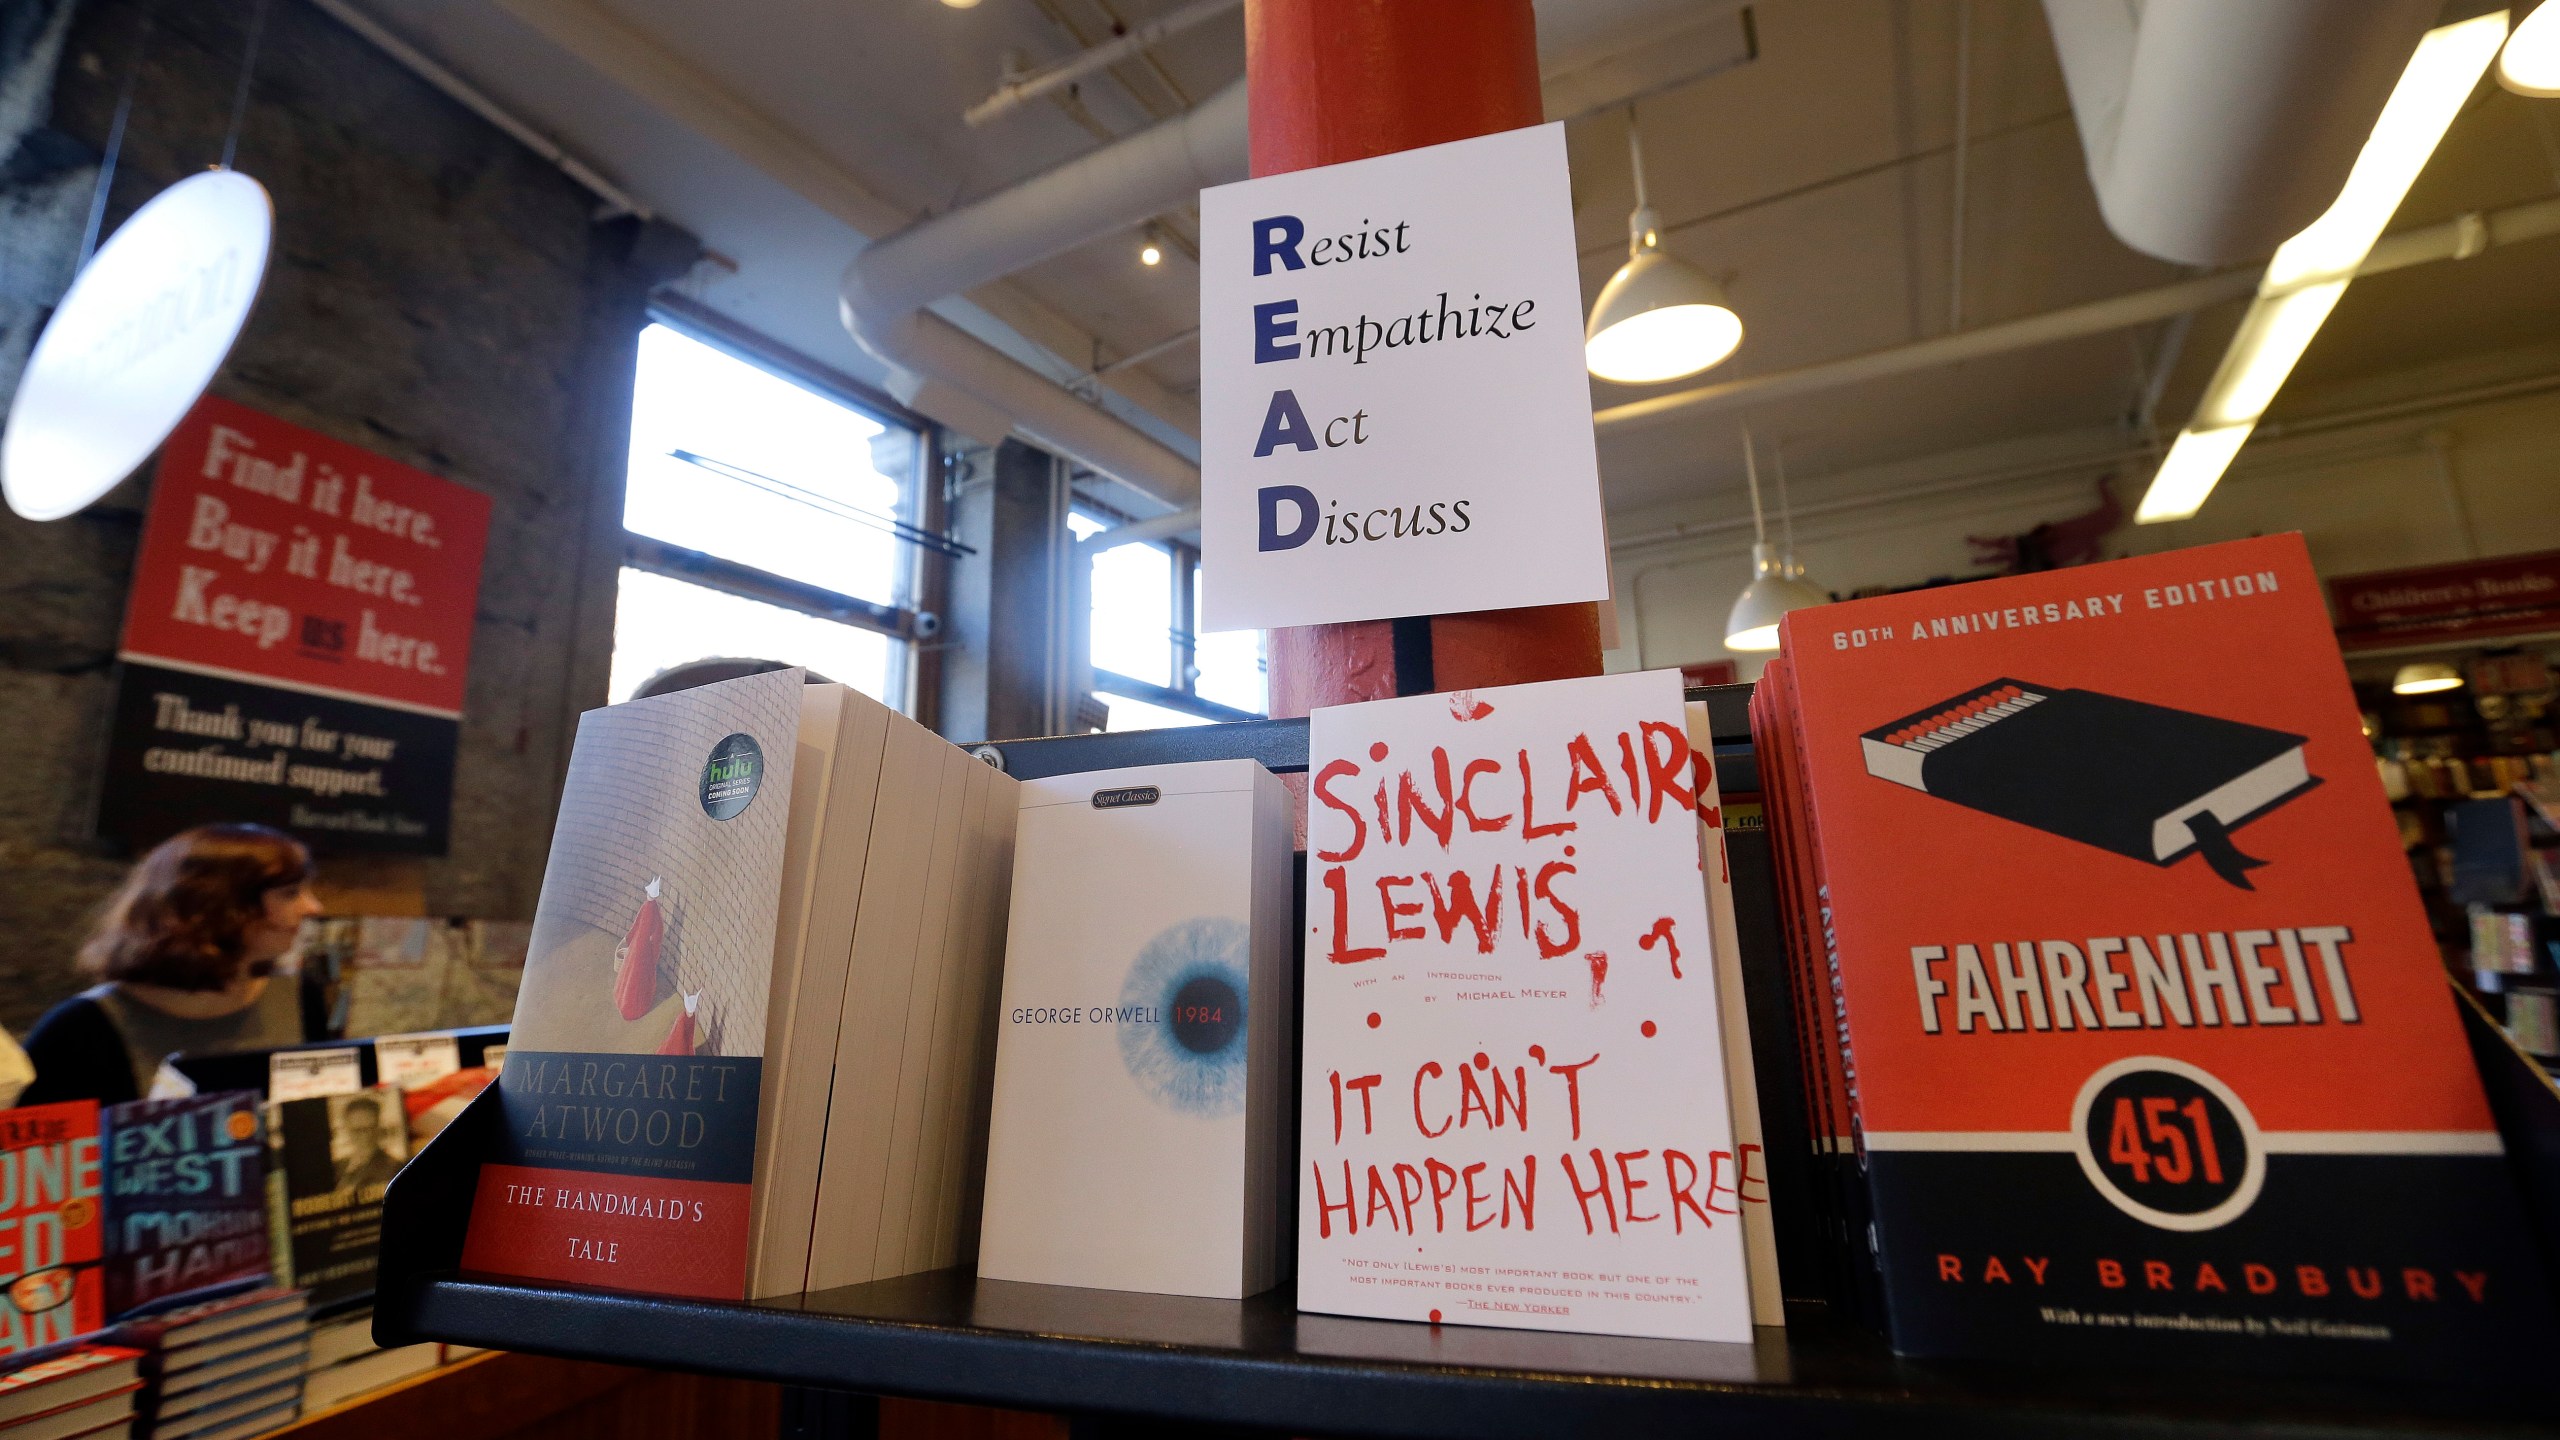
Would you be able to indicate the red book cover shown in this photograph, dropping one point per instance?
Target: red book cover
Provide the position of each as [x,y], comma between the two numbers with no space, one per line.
[50,1228]
[2149,1047]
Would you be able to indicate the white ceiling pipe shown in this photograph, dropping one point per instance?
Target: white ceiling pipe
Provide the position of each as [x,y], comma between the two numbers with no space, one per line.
[888,285]
[2214,130]
[2458,238]
[1024,88]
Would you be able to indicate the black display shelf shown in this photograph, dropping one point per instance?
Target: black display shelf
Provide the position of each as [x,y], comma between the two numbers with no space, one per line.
[1259,1365]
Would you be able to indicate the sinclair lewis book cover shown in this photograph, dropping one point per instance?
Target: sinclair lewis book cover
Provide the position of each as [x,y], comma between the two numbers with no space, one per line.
[631,1079]
[2152,1050]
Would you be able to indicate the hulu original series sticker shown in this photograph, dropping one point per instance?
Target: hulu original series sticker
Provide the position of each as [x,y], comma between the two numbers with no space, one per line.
[731,777]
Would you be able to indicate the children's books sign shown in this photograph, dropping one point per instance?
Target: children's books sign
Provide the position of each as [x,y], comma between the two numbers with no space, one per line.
[1515,1108]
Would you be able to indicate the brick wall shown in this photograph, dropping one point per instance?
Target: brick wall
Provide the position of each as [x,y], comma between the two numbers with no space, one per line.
[437,294]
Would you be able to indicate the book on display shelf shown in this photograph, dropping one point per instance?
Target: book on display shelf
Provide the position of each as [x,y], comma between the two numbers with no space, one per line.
[186,1204]
[1742,1074]
[330,1157]
[1142,1069]
[1515,1106]
[749,1043]
[52,1230]
[361,1375]
[2100,924]
[75,1390]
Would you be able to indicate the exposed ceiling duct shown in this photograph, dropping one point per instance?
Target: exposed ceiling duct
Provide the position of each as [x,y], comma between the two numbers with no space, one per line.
[966,383]
[963,382]
[2214,130]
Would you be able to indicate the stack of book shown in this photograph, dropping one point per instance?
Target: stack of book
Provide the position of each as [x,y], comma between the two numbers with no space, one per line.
[2114,984]
[751,1048]
[221,1368]
[78,1392]
[344,1364]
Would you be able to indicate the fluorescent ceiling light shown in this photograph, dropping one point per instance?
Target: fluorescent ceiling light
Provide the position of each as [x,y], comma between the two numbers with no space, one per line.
[2271,338]
[2530,64]
[2426,678]
[2188,473]
[2310,271]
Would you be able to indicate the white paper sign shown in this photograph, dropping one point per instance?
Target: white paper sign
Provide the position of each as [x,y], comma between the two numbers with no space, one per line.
[1394,414]
[412,1060]
[301,1074]
[1514,1108]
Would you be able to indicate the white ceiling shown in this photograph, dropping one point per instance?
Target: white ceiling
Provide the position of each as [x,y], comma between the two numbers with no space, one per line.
[1818,179]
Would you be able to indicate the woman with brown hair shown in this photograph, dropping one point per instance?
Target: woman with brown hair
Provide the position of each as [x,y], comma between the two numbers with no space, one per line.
[182,955]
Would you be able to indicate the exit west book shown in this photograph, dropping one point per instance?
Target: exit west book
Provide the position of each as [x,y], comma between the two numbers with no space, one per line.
[2149,1048]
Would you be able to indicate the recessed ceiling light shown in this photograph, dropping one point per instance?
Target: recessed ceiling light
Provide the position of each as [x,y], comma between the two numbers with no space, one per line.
[1150,254]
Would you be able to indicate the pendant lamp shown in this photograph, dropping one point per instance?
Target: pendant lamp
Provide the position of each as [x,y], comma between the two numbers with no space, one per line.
[2425,677]
[1777,580]
[1660,317]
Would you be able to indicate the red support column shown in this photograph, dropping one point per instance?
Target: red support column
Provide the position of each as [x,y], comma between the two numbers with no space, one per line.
[1337,80]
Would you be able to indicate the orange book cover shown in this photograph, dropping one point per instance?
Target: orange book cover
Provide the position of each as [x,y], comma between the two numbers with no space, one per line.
[51,1225]
[2150,1049]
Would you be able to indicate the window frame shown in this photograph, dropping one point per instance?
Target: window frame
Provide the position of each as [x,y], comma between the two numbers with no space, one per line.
[922,575]
[1182,635]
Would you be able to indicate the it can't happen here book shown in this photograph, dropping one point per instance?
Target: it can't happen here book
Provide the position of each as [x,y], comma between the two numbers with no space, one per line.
[1513,1108]
[2151,1047]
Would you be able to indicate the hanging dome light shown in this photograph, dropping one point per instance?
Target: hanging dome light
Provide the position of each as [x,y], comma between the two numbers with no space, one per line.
[2426,677]
[2530,65]
[1660,317]
[1773,592]
[1777,580]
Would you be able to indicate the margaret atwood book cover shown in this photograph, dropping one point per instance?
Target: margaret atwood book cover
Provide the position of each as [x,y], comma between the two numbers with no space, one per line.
[2152,1053]
[628,1157]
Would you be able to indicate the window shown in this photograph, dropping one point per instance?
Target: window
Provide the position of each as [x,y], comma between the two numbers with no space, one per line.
[764,520]
[1149,666]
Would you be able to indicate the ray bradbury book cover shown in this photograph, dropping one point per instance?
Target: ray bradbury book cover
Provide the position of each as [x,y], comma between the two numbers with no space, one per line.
[2152,1053]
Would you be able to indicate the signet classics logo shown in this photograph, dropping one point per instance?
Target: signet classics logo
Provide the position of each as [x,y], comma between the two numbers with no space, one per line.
[1127,795]
[731,777]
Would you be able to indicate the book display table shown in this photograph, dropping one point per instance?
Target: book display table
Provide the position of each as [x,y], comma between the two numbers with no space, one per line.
[1259,1365]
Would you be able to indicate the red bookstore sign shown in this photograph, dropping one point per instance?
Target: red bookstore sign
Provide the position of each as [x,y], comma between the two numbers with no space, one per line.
[2474,600]
[297,641]
[277,553]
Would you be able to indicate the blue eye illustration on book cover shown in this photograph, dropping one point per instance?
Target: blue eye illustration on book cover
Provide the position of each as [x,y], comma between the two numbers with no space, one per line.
[2139,779]
[1184,1043]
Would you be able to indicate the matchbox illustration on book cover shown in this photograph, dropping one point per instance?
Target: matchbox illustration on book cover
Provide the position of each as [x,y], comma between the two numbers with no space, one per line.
[1513,1106]
[633,1076]
[2125,939]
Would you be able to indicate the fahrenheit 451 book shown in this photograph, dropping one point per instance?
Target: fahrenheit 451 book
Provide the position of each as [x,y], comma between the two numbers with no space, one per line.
[2150,1052]
[1514,1106]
